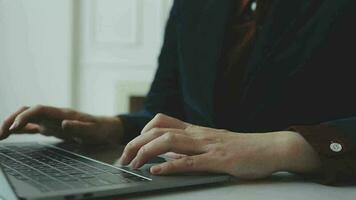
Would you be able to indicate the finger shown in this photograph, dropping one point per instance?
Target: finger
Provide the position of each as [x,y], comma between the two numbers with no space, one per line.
[164,121]
[172,155]
[5,126]
[196,163]
[132,147]
[29,128]
[82,132]
[168,142]
[38,113]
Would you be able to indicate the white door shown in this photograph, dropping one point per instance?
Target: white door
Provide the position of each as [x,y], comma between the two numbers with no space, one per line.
[119,42]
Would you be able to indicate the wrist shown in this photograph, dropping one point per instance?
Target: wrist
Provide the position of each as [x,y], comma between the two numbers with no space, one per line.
[115,130]
[295,153]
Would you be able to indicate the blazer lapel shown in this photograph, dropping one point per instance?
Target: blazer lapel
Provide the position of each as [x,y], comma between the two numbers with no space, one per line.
[202,34]
[281,23]
[280,49]
[281,20]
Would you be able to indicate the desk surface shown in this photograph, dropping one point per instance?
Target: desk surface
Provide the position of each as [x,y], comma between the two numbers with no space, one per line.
[279,186]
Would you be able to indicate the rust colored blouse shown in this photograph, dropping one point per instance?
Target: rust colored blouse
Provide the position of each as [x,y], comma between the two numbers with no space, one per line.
[243,27]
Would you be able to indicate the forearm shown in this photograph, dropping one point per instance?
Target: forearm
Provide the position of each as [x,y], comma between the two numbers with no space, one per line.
[113,126]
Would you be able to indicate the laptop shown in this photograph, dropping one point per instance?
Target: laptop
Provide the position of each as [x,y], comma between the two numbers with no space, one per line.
[44,171]
[6,191]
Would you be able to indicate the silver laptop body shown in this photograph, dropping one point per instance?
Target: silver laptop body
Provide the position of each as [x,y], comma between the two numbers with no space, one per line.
[6,190]
[118,180]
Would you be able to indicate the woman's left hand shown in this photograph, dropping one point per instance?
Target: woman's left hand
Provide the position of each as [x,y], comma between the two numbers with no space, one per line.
[248,156]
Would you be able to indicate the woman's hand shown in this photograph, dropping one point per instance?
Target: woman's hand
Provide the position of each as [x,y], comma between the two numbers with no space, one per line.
[247,156]
[63,123]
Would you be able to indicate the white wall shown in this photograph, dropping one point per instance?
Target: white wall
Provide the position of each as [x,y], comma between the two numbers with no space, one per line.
[86,54]
[35,53]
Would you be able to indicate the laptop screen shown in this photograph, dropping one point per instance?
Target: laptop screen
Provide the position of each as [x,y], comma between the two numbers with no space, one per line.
[6,191]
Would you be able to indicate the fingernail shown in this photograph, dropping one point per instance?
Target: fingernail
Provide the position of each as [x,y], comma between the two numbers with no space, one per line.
[122,160]
[134,164]
[14,126]
[156,169]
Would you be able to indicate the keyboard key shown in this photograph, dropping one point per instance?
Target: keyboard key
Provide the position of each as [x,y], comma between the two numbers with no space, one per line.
[96,182]
[83,176]
[112,178]
[57,186]
[38,186]
[78,184]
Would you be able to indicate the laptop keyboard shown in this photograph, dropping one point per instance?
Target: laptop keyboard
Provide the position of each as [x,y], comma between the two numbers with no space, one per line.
[50,169]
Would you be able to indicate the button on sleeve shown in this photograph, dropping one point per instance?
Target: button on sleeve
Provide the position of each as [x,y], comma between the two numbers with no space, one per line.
[336,152]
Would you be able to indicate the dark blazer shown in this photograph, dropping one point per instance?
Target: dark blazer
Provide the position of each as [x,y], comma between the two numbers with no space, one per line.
[300,73]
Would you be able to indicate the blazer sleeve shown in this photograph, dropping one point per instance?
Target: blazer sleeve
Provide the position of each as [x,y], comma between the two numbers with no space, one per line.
[165,93]
[335,142]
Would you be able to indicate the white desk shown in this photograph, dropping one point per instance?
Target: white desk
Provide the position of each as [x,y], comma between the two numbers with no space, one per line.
[280,186]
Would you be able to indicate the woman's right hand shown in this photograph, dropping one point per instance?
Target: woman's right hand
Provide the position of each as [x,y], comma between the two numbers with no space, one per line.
[63,123]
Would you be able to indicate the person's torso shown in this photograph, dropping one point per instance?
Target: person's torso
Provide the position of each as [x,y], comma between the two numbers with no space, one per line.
[300,70]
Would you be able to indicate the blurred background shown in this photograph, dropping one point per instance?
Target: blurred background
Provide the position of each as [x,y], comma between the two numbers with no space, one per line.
[98,56]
